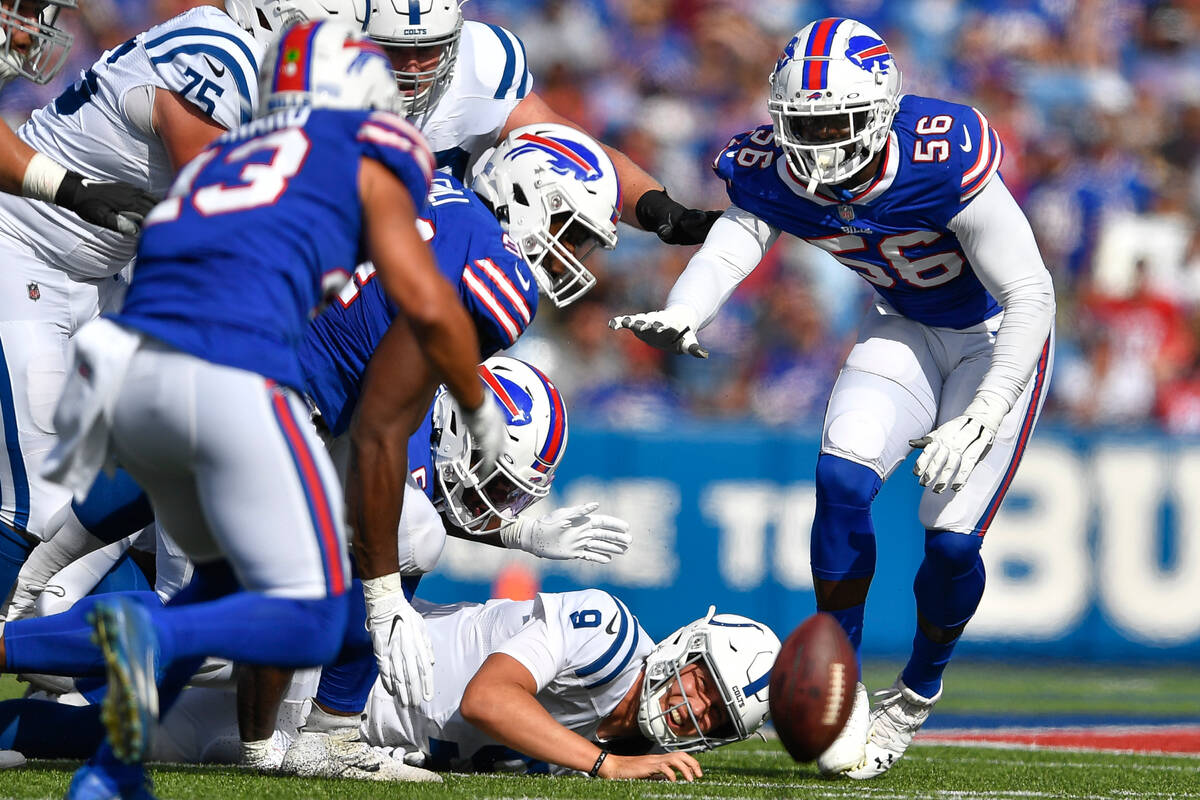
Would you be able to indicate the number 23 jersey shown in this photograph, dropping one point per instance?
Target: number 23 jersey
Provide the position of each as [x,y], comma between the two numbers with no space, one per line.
[231,266]
[896,230]
[101,128]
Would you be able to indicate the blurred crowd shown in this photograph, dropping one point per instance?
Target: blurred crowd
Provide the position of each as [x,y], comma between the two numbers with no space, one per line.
[1098,103]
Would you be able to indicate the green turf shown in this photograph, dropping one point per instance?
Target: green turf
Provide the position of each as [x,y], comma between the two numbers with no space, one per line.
[761,770]
[750,770]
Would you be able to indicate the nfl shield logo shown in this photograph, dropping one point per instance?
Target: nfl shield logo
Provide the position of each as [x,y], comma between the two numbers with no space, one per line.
[35,291]
[846,213]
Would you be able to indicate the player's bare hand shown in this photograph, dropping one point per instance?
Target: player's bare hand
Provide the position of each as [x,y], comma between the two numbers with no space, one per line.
[660,766]
[672,329]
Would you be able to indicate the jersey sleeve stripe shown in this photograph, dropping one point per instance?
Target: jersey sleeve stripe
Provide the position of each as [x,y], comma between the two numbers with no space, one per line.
[982,181]
[510,62]
[231,62]
[204,33]
[420,145]
[526,78]
[478,288]
[985,148]
[620,667]
[608,655]
[515,298]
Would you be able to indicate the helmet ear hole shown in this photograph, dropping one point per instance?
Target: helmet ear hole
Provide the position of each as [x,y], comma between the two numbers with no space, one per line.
[519,195]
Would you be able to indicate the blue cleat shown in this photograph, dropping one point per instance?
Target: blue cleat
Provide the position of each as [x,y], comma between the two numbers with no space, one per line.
[125,633]
[94,782]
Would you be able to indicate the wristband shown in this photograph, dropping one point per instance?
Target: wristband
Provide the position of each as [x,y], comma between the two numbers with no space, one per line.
[43,177]
[599,761]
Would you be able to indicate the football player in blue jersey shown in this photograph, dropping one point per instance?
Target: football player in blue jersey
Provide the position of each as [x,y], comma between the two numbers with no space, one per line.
[193,388]
[467,86]
[953,357]
[33,46]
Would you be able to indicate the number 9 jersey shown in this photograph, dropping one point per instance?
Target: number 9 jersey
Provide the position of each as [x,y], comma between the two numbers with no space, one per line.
[102,128]
[231,266]
[896,230]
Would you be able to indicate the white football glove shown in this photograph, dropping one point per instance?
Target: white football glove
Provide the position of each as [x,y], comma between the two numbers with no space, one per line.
[672,329]
[401,642]
[488,431]
[954,448]
[567,533]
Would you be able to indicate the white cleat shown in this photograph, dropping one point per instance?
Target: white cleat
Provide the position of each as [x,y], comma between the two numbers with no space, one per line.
[849,749]
[10,759]
[342,754]
[899,714]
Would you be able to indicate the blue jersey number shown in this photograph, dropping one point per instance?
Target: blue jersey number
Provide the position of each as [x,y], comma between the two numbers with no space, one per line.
[586,619]
[198,88]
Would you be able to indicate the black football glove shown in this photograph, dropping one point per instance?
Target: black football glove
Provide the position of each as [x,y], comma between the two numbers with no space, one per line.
[116,206]
[673,222]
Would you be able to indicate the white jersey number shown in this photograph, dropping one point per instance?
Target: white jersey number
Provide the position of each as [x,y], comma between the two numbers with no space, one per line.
[924,273]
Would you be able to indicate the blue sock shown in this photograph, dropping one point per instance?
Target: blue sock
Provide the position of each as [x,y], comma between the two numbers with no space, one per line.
[60,644]
[842,546]
[114,508]
[44,729]
[948,588]
[346,684]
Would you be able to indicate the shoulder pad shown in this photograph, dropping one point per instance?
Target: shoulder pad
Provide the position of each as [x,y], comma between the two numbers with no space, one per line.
[205,57]
[612,635]
[760,147]
[978,166]
[494,62]
[393,141]
[973,149]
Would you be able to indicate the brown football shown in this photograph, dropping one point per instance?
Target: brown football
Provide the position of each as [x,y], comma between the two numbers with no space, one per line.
[812,687]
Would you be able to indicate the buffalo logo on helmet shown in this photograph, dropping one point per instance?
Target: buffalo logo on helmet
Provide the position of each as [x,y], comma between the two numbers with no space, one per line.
[566,157]
[512,399]
[869,53]
[789,53]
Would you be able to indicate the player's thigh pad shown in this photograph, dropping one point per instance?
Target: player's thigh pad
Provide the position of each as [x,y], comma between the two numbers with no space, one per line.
[972,508]
[264,487]
[885,394]
[39,308]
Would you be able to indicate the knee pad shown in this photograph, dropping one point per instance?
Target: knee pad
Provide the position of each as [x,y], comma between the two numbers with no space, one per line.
[842,482]
[954,552]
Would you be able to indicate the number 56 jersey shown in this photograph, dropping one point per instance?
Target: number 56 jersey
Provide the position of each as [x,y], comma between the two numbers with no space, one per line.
[231,266]
[101,128]
[897,230]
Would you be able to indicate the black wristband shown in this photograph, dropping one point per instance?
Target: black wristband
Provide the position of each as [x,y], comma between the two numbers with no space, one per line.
[654,209]
[599,761]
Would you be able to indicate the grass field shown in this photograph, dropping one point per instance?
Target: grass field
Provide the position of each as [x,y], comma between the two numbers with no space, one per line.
[976,694]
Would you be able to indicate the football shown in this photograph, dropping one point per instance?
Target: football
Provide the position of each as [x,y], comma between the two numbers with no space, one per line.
[812,687]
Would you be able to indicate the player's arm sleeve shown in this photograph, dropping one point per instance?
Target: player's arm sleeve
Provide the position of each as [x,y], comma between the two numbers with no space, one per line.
[501,295]
[499,77]
[392,141]
[999,243]
[735,245]
[214,70]
[540,646]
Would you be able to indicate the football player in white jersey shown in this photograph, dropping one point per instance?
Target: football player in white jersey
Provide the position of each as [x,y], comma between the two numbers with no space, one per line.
[953,358]
[467,85]
[33,47]
[145,108]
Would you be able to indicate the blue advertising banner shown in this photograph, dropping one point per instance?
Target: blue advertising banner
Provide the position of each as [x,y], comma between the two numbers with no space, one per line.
[1095,554]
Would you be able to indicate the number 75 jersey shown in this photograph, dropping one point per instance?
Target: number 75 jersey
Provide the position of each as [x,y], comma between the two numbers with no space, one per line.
[895,231]
[101,128]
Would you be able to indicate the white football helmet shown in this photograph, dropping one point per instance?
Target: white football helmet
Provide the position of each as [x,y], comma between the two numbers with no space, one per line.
[325,64]
[737,652]
[537,437]
[556,192]
[834,93]
[47,48]
[421,38]
[266,19]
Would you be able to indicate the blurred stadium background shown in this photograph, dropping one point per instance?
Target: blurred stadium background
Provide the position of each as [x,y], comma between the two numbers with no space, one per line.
[1096,554]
